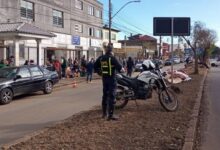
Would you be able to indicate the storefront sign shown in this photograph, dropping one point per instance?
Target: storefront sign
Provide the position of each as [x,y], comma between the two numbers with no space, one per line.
[62,39]
[96,43]
[76,40]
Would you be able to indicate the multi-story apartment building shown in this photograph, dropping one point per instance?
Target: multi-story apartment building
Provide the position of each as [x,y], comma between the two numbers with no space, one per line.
[76,24]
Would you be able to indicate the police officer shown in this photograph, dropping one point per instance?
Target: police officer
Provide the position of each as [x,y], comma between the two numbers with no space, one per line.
[106,66]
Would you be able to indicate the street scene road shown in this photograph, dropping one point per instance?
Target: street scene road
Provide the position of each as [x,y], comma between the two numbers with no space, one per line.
[43,42]
[29,113]
[33,112]
[211,134]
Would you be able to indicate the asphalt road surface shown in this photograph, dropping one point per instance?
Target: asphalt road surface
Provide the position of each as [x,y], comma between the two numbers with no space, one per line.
[29,113]
[33,112]
[211,135]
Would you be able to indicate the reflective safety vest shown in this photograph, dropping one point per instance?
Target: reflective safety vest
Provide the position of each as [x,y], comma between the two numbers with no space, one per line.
[106,67]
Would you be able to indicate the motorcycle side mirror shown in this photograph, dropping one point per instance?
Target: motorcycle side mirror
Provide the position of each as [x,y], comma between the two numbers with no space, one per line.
[157,66]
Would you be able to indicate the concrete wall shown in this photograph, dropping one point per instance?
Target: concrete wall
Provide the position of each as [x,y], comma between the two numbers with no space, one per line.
[9,10]
[44,18]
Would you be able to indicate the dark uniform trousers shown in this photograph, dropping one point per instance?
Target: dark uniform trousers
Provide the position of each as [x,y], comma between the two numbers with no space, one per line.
[109,91]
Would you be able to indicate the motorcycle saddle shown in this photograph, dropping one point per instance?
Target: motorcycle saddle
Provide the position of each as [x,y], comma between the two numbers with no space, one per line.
[131,80]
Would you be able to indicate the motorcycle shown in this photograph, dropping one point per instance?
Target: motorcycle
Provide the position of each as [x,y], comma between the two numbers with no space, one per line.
[142,87]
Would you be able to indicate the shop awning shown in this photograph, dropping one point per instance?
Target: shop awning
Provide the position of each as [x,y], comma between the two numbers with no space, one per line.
[23,31]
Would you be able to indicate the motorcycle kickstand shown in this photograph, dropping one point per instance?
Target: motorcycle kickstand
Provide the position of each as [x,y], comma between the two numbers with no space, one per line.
[136,103]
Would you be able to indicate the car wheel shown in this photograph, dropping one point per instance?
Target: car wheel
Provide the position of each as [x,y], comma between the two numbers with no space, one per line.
[6,96]
[213,65]
[48,87]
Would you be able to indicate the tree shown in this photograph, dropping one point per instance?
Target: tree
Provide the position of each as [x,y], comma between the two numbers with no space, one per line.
[201,37]
[215,51]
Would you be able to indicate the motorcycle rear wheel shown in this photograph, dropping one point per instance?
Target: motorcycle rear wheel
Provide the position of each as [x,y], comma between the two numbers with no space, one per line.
[168,100]
[120,101]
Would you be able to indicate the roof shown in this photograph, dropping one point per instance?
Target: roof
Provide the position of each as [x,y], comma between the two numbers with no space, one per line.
[21,27]
[112,29]
[140,37]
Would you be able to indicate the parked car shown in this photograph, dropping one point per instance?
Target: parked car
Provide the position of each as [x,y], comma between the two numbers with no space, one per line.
[16,81]
[176,60]
[168,62]
[214,62]
[158,62]
[189,59]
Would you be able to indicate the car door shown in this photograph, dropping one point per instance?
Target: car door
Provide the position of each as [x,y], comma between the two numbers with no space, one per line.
[38,78]
[22,84]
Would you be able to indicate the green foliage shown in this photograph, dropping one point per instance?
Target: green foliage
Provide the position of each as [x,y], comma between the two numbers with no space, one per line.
[215,51]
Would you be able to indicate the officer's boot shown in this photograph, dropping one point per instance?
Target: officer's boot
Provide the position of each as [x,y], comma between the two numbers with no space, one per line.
[111,116]
[104,111]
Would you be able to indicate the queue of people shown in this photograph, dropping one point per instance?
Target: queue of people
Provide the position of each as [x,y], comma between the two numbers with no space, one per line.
[71,68]
[7,62]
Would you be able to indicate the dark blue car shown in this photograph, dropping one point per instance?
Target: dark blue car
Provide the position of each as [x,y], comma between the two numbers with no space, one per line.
[16,81]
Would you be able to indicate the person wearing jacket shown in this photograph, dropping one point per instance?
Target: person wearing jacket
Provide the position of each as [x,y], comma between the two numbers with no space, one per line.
[57,67]
[106,66]
[130,66]
[89,70]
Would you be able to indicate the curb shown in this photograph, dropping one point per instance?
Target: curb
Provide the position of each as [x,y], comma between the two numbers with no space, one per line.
[70,83]
[191,131]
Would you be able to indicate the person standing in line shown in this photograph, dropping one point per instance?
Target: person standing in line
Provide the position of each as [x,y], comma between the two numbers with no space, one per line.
[26,62]
[63,66]
[31,62]
[89,70]
[57,67]
[130,66]
[106,66]
[83,66]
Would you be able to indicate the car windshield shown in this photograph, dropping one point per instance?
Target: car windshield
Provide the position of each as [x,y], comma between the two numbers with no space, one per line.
[45,70]
[8,72]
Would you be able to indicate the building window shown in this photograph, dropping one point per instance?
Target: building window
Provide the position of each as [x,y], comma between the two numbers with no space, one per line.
[91,10]
[91,31]
[106,35]
[79,28]
[58,18]
[113,36]
[79,4]
[27,10]
[98,14]
[98,33]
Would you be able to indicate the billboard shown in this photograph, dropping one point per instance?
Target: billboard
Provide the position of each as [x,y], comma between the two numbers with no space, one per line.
[163,26]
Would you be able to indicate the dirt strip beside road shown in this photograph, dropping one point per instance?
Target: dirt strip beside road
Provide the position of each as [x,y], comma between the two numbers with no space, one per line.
[146,127]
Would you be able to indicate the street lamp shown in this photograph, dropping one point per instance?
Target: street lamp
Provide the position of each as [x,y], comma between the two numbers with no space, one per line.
[111,17]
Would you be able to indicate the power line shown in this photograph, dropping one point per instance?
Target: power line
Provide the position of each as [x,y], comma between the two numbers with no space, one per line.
[124,28]
[124,20]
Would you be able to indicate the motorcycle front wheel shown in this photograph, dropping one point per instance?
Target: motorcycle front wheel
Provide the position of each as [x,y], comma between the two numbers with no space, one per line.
[168,100]
[120,101]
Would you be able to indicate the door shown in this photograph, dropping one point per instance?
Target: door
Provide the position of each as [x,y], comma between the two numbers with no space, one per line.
[23,84]
[38,78]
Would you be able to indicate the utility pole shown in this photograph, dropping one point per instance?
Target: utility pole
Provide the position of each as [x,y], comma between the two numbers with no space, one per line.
[160,47]
[110,22]
[125,45]
[111,17]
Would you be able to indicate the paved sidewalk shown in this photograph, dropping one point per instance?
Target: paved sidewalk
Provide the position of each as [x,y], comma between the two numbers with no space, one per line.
[69,81]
